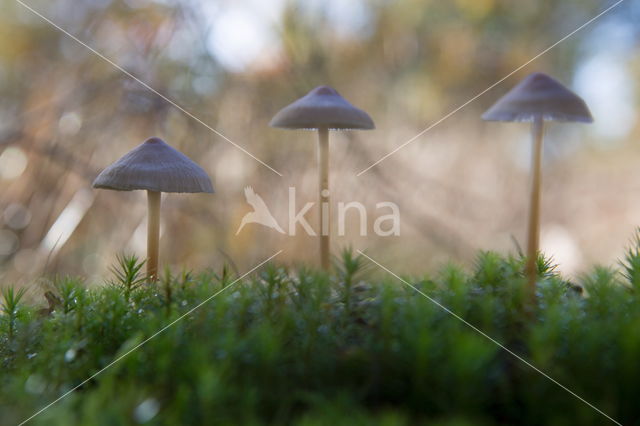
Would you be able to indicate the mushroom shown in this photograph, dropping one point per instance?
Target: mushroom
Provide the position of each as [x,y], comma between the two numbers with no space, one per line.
[538,98]
[156,167]
[323,109]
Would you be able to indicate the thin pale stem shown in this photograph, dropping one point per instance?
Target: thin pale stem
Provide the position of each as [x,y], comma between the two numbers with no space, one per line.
[533,237]
[323,189]
[153,235]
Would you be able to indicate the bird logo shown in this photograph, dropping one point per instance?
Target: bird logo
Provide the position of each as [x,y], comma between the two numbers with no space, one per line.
[260,213]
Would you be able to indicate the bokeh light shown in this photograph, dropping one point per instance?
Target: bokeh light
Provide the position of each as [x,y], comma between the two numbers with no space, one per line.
[13,163]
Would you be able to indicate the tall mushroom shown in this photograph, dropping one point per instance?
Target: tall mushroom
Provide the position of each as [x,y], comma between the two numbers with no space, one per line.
[322,109]
[155,167]
[538,98]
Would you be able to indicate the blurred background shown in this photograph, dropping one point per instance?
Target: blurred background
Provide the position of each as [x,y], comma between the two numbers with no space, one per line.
[65,114]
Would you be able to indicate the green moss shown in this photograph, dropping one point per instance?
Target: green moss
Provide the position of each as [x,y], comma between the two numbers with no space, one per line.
[302,347]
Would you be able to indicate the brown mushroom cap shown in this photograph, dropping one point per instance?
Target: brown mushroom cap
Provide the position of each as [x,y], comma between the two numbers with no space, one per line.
[539,95]
[323,107]
[154,166]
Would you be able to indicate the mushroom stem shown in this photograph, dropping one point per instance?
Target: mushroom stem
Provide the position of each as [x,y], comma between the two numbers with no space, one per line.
[323,189]
[537,134]
[153,234]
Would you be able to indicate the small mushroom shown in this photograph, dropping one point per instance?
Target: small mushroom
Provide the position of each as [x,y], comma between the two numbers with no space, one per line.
[538,98]
[323,109]
[155,167]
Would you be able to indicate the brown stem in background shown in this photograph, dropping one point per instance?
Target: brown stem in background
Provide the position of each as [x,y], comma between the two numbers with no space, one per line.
[323,189]
[153,235]
[533,238]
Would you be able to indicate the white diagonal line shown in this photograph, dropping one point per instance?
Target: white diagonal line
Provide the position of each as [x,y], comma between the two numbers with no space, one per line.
[491,87]
[180,318]
[128,74]
[482,333]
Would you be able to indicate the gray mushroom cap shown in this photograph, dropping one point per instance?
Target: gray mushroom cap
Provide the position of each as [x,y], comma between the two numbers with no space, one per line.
[539,95]
[154,166]
[323,107]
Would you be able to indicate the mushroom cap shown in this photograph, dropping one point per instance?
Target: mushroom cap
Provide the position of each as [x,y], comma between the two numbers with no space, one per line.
[323,107]
[154,166]
[539,95]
